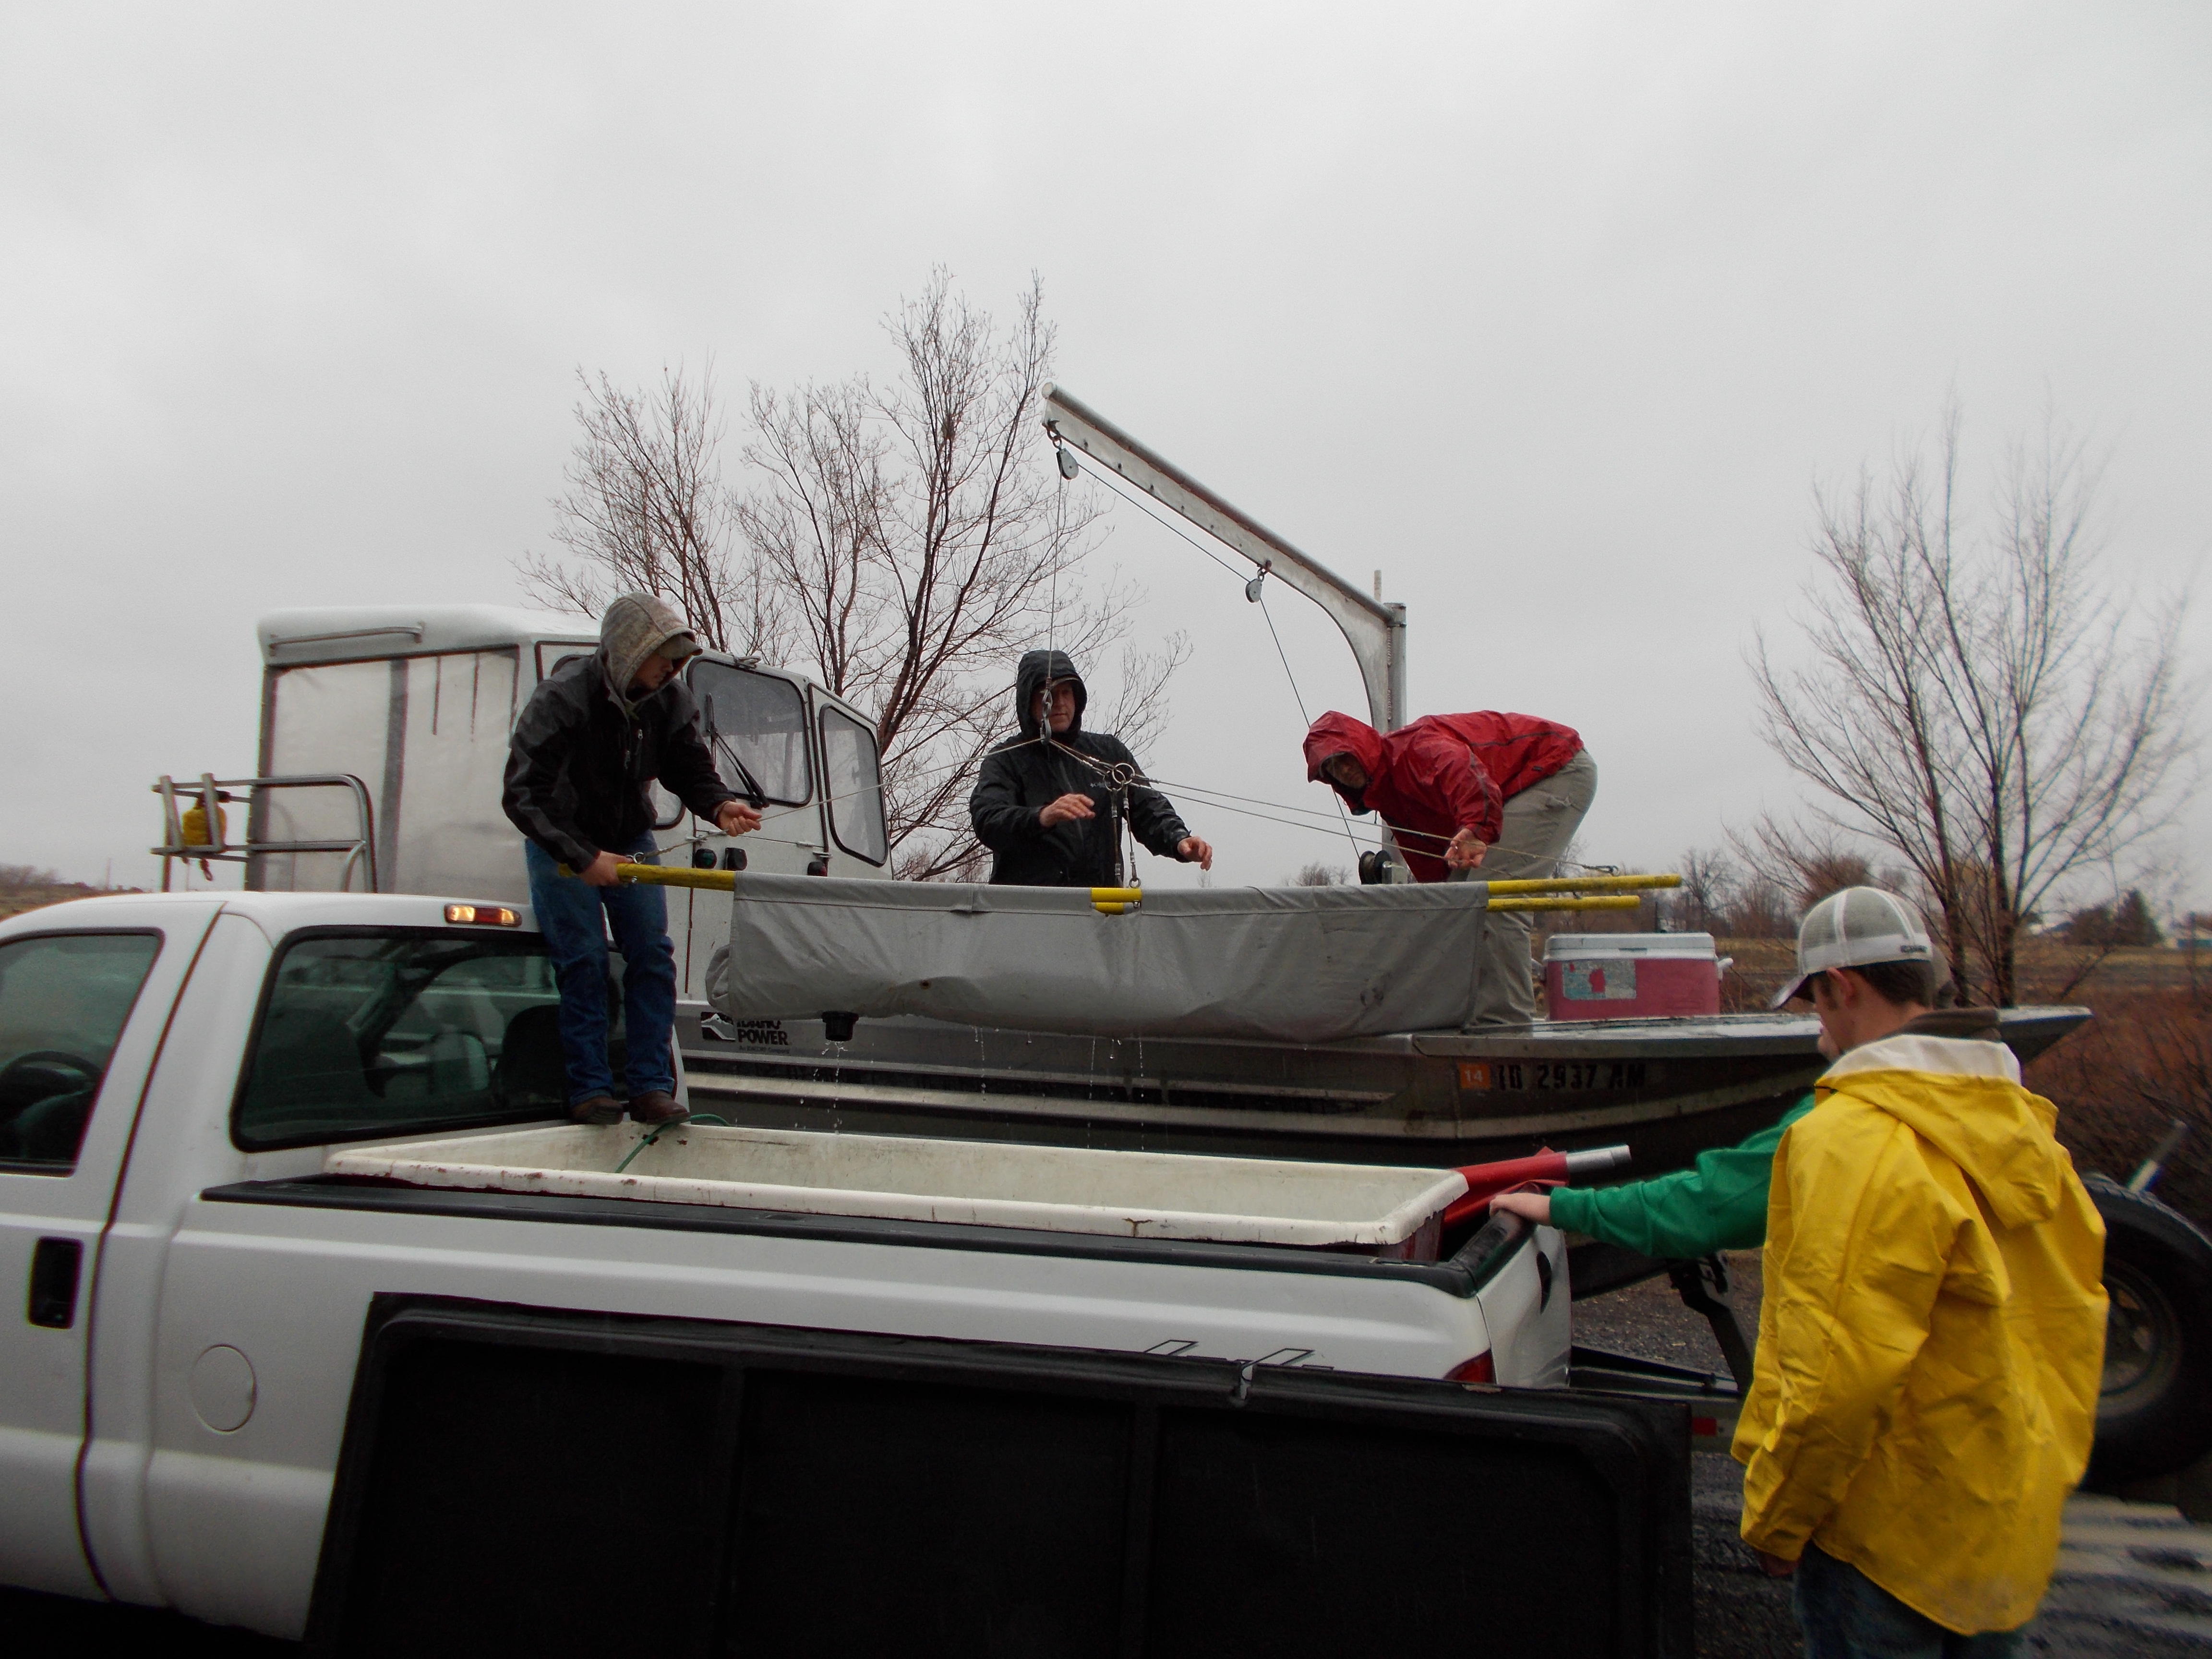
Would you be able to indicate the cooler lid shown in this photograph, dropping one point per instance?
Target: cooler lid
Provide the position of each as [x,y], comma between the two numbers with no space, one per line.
[1582,947]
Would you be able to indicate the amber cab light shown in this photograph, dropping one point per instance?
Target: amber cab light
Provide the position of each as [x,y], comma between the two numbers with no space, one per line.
[1477,1369]
[483,915]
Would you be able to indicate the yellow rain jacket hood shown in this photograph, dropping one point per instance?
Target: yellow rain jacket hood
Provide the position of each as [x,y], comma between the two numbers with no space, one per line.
[1931,1342]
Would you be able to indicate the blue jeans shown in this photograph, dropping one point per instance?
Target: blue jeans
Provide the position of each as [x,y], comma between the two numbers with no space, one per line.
[575,917]
[1846,1615]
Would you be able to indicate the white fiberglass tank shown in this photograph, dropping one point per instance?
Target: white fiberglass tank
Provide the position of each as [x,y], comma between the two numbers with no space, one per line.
[990,1183]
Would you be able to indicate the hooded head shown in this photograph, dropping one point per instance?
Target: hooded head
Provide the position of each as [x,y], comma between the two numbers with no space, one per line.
[1336,734]
[1039,668]
[635,627]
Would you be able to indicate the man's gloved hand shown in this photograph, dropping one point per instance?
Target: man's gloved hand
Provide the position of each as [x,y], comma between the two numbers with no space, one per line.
[734,817]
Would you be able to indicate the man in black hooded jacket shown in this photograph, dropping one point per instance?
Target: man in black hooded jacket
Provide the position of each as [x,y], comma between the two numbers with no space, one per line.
[594,737]
[1049,815]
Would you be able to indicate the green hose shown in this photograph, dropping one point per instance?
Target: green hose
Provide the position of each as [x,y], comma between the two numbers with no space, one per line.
[658,1130]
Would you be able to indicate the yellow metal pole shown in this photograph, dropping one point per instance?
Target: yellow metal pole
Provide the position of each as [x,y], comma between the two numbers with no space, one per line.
[1119,900]
[1109,901]
[654,875]
[1607,902]
[1583,884]
[677,875]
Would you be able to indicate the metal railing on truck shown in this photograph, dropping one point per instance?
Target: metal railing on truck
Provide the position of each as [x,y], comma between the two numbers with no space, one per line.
[199,830]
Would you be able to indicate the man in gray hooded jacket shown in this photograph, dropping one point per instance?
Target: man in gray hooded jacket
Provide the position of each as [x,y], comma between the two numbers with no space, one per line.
[595,735]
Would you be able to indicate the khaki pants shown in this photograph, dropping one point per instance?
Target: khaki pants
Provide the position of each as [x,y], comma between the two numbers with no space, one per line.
[1538,824]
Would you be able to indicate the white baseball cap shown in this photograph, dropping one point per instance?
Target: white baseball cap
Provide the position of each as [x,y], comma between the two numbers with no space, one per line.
[1852,929]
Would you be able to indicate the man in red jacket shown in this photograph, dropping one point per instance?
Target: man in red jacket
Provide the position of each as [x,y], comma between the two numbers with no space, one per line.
[1501,793]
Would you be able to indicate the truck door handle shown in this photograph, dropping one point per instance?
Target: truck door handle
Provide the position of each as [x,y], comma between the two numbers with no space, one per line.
[54,1266]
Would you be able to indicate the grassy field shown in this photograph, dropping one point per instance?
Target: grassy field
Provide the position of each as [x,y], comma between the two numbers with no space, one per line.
[2144,1060]
[14,900]
[2049,971]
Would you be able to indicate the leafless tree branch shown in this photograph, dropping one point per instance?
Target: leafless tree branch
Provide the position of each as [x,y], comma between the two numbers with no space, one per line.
[646,508]
[1986,709]
[923,542]
[902,545]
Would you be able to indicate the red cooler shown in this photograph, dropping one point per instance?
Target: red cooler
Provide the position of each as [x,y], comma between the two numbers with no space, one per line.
[1631,975]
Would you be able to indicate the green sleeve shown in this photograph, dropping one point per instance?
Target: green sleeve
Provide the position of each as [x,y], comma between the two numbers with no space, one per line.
[1720,1203]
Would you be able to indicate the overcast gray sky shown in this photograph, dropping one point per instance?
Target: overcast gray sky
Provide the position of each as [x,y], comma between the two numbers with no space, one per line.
[1554,312]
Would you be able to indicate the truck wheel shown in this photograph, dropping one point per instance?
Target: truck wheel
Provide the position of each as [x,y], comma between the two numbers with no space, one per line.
[2155,1412]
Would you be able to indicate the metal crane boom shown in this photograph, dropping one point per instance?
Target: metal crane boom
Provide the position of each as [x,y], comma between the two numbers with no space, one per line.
[1375,629]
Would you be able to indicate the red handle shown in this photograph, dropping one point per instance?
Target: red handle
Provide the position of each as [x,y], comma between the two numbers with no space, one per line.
[1485,1181]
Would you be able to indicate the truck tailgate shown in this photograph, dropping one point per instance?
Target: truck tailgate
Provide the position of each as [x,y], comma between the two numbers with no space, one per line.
[280,1277]
[515,1480]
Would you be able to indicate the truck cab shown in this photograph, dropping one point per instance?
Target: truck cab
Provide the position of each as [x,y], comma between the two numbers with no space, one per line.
[384,741]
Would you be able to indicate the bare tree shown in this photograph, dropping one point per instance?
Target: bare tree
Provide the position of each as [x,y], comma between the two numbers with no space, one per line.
[1986,708]
[1802,863]
[1700,904]
[646,508]
[903,545]
[1758,910]
[924,542]
[1318,874]
[1140,709]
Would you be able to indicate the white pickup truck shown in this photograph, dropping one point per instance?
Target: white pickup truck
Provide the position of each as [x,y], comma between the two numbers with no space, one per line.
[216,1325]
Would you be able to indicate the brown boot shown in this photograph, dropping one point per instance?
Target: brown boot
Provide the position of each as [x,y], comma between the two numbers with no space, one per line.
[596,1108]
[655,1106]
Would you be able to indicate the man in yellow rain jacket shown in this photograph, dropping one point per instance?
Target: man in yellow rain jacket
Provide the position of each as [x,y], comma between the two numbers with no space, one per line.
[1932,1338]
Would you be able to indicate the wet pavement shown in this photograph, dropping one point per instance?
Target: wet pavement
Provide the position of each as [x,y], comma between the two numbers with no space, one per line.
[2134,1579]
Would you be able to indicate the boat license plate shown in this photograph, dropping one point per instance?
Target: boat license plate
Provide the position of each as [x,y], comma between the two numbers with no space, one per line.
[1579,1076]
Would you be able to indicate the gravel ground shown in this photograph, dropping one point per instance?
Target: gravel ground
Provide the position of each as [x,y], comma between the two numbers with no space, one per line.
[2134,1579]
[1650,1320]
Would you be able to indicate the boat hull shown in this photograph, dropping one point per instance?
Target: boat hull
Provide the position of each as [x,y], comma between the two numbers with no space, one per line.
[1669,1088]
